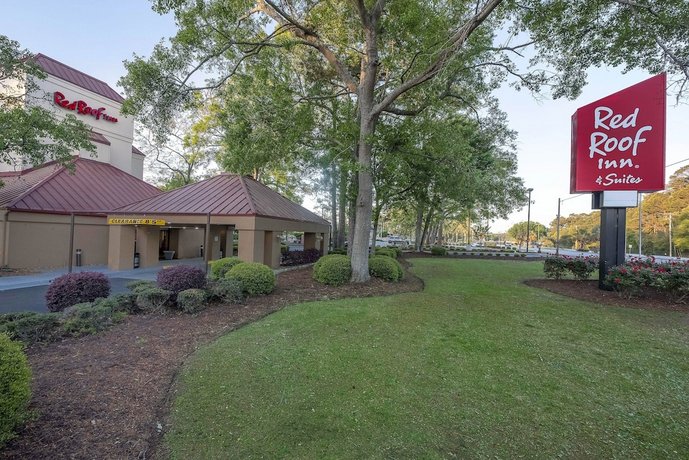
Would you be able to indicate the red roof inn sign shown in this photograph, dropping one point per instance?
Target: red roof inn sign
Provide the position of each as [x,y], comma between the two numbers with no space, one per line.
[618,142]
[81,107]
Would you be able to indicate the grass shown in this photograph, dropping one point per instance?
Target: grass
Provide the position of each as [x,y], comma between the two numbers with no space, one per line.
[478,365]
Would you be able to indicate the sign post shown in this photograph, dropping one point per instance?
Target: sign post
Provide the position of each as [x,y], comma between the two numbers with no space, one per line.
[618,150]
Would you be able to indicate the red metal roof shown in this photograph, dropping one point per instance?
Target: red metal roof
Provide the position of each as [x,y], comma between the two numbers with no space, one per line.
[72,75]
[93,188]
[224,195]
[98,137]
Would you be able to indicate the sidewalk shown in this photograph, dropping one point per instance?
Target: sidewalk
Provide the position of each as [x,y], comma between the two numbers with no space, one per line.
[43,279]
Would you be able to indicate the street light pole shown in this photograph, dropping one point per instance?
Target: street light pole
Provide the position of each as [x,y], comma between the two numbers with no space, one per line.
[528,221]
[670,232]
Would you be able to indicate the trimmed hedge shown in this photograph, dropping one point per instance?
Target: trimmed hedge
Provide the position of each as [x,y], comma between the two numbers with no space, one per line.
[580,267]
[31,327]
[221,266]
[439,251]
[255,277]
[339,251]
[15,387]
[385,267]
[333,269]
[89,318]
[191,300]
[73,288]
[140,285]
[227,291]
[386,252]
[181,277]
[153,300]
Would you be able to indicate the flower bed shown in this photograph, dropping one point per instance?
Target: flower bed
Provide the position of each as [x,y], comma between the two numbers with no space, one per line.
[581,268]
[669,278]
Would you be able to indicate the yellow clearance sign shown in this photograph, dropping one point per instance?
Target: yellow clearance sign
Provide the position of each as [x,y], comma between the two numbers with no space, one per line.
[124,221]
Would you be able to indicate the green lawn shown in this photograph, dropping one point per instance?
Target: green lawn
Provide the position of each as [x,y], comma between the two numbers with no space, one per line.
[477,365]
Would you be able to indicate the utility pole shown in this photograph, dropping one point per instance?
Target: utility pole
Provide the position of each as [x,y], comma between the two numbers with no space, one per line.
[639,205]
[670,232]
[528,221]
[557,237]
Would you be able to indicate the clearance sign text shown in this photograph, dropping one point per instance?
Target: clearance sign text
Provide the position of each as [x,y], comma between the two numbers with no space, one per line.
[125,221]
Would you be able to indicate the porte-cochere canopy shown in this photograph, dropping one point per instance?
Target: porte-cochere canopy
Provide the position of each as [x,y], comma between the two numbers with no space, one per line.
[221,205]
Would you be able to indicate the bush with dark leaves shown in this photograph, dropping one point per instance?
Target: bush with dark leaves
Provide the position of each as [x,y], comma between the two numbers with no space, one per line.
[74,288]
[181,277]
[308,256]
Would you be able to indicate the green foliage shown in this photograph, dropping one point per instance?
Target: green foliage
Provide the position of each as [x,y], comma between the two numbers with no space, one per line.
[338,251]
[386,252]
[24,128]
[32,327]
[333,269]
[89,318]
[15,388]
[385,268]
[153,300]
[221,266]
[256,278]
[192,300]
[227,291]
[438,251]
[140,285]
[580,267]
[123,302]
[535,232]
[632,277]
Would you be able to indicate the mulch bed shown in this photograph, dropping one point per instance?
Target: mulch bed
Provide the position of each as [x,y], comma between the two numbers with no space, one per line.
[108,395]
[589,291]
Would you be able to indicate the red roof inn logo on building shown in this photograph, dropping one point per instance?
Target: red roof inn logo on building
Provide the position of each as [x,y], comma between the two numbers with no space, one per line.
[618,142]
[81,107]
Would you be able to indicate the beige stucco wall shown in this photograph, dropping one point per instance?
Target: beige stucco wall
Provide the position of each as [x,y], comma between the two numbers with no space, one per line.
[40,241]
[188,243]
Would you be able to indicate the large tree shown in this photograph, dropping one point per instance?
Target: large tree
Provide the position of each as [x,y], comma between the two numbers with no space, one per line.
[396,57]
[31,134]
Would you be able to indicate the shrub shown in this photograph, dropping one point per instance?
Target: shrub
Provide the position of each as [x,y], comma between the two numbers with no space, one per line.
[15,389]
[221,266]
[671,278]
[308,256]
[438,251]
[397,250]
[32,327]
[153,300]
[338,251]
[386,252]
[385,268]
[227,291]
[140,285]
[89,318]
[191,300]
[125,302]
[181,277]
[335,269]
[256,278]
[555,267]
[74,288]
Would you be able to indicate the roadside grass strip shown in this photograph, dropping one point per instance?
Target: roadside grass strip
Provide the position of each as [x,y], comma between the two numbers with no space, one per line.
[476,365]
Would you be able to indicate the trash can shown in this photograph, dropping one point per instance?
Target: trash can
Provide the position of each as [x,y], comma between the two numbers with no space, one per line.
[137,260]
[78,258]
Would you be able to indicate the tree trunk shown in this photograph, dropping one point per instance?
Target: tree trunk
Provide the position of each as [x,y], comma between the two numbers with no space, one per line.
[441,238]
[342,209]
[367,127]
[352,215]
[419,223]
[426,224]
[364,204]
[333,203]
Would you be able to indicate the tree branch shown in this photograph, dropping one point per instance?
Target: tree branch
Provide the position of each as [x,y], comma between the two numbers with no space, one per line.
[455,42]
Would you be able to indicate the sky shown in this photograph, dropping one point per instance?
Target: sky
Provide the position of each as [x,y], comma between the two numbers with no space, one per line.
[95,37]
